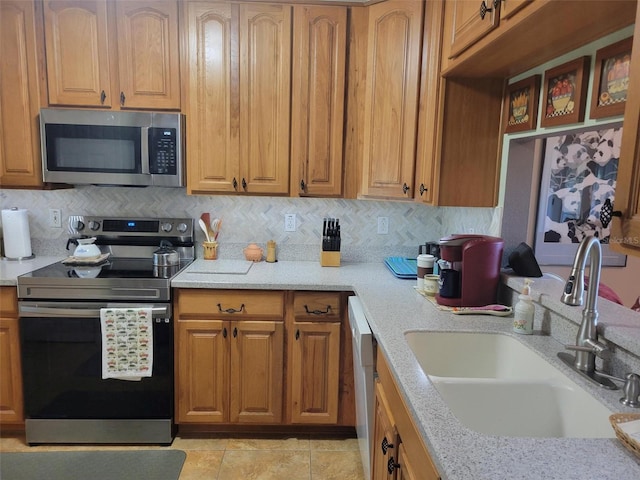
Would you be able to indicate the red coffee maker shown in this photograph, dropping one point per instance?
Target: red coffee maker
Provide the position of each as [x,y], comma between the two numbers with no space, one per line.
[472,272]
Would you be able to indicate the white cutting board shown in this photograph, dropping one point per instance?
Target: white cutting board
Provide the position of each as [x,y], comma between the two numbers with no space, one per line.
[236,267]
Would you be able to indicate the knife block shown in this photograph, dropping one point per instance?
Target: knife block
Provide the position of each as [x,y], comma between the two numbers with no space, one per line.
[329,259]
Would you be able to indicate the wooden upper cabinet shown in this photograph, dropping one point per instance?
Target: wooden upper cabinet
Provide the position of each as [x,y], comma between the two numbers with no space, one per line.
[265,97]
[20,164]
[470,21]
[319,46]
[625,230]
[509,7]
[391,100]
[89,42]
[148,52]
[78,56]
[238,68]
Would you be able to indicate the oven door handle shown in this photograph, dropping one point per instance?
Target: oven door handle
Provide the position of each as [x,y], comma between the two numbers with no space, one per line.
[75,312]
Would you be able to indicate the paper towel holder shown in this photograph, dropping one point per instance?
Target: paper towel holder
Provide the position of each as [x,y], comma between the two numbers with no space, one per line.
[13,259]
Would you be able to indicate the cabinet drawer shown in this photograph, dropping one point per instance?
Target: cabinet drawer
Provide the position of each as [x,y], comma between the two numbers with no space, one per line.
[8,301]
[317,306]
[230,304]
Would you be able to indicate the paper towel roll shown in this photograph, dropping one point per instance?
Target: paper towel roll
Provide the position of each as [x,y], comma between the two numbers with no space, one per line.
[15,228]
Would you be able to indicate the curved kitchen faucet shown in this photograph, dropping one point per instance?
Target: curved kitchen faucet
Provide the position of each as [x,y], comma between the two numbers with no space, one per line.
[587,346]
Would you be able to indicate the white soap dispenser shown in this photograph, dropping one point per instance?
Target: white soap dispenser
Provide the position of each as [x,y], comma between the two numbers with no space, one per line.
[524,311]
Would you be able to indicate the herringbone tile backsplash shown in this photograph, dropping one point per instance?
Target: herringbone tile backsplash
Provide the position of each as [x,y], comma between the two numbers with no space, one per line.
[249,219]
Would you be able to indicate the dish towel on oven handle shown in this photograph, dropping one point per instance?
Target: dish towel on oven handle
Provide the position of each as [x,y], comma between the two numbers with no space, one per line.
[127,342]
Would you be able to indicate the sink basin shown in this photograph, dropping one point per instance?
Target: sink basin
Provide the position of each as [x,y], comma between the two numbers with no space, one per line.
[496,385]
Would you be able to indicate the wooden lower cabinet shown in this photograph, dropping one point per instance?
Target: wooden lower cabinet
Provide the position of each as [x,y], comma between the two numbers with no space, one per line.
[229,371]
[314,358]
[11,409]
[398,449]
[260,357]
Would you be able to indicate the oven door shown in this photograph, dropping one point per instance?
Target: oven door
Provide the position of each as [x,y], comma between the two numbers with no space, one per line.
[61,348]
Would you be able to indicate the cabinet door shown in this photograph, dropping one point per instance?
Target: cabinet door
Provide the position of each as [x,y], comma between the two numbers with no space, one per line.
[314,364]
[203,371]
[77,51]
[384,438]
[256,372]
[265,85]
[212,114]
[469,24]
[625,231]
[148,54]
[11,410]
[319,46]
[20,164]
[391,102]
[405,469]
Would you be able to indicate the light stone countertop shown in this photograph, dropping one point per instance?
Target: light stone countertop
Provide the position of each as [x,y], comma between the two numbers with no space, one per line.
[11,269]
[392,307]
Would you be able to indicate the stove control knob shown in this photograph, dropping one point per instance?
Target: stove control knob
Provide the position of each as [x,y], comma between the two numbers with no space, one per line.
[166,227]
[182,227]
[79,225]
[93,225]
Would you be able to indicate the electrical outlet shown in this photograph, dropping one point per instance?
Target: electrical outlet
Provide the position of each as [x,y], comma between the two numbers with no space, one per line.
[383,225]
[290,222]
[55,218]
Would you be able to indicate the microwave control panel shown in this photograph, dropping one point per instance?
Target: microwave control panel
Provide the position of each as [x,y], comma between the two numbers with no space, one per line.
[163,151]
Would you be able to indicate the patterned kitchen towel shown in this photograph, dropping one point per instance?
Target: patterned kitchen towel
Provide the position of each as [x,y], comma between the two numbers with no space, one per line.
[127,342]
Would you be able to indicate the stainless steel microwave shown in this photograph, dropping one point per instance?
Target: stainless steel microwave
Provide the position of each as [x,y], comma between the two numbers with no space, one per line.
[112,148]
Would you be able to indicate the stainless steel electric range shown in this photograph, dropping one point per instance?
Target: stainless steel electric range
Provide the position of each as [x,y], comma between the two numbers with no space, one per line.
[62,309]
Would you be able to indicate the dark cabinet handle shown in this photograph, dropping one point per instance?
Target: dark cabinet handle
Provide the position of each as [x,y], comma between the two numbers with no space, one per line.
[103,97]
[244,184]
[484,9]
[230,310]
[422,189]
[405,188]
[235,332]
[318,312]
[235,183]
[224,332]
[122,98]
[392,465]
[385,445]
[297,334]
[302,186]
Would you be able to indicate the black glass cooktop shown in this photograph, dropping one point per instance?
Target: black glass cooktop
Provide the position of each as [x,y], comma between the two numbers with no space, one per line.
[113,268]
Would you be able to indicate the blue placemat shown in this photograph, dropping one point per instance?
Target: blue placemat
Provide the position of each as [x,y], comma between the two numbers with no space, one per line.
[402,267]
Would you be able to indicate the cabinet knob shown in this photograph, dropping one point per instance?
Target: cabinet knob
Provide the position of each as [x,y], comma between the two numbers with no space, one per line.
[385,445]
[422,189]
[318,312]
[103,97]
[224,332]
[405,188]
[230,310]
[484,8]
[122,98]
[303,186]
[235,183]
[235,332]
[607,213]
[392,465]
[244,184]
[297,334]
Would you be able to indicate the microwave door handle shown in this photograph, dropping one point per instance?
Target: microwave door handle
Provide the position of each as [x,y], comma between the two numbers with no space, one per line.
[144,154]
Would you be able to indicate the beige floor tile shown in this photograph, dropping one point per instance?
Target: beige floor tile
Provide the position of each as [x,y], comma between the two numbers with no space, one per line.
[200,443]
[201,465]
[332,465]
[284,443]
[334,444]
[265,465]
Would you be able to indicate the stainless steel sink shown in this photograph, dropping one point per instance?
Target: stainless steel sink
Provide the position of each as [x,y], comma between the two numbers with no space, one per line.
[496,385]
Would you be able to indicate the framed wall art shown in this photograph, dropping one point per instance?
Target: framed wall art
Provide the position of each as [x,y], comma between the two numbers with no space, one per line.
[579,174]
[565,91]
[611,79]
[521,104]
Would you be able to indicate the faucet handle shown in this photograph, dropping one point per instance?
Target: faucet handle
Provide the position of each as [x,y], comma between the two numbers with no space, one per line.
[592,346]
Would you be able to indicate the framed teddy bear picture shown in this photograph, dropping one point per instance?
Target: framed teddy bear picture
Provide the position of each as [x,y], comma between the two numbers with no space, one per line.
[579,173]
